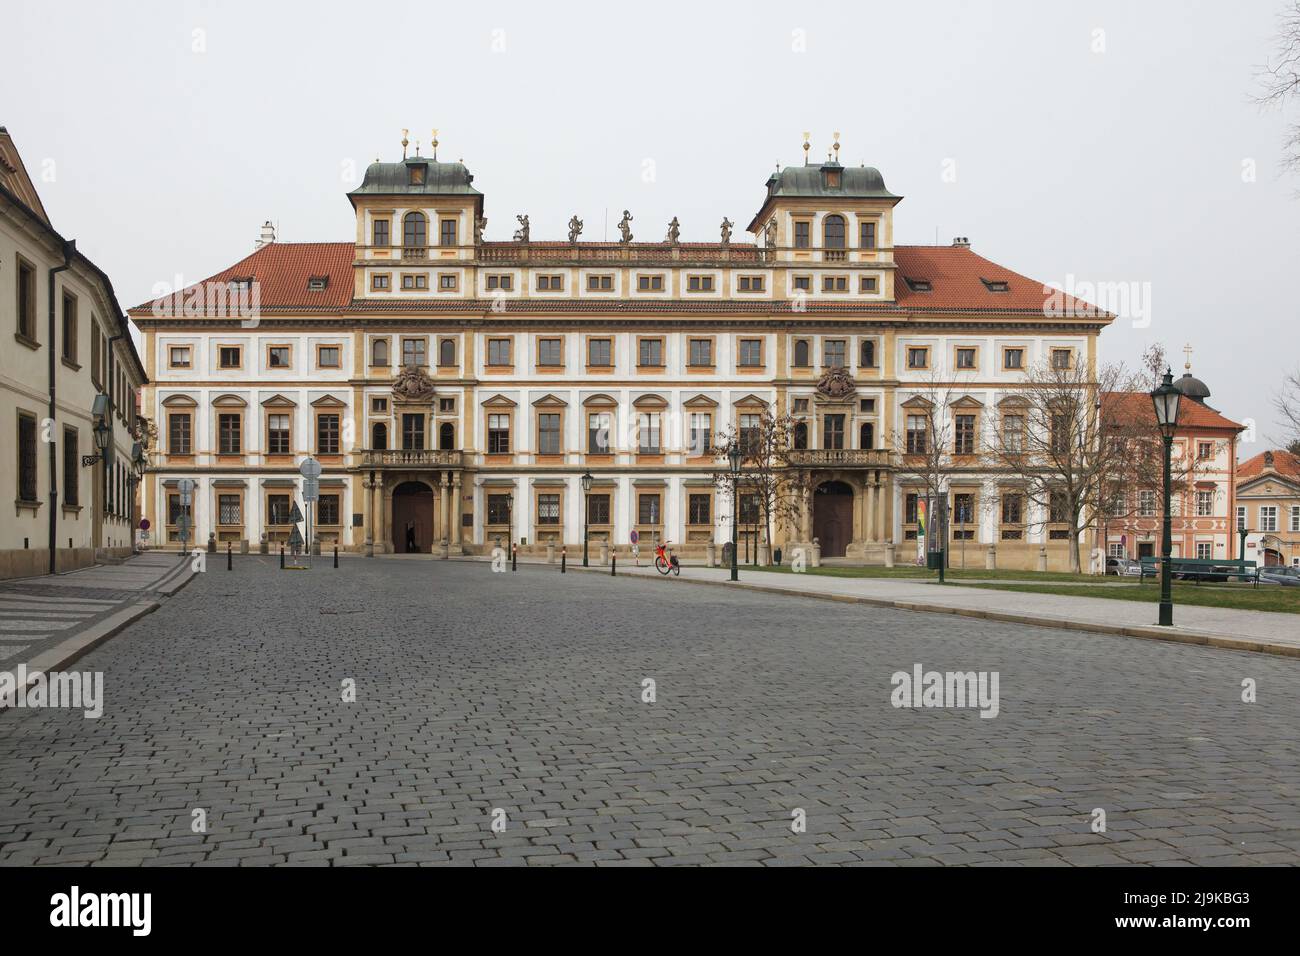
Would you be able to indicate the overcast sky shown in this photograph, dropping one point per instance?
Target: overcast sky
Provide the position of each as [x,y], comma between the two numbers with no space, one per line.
[1110,142]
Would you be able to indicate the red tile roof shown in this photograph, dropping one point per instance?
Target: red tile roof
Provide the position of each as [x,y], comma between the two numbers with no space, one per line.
[959,281]
[1137,407]
[1284,463]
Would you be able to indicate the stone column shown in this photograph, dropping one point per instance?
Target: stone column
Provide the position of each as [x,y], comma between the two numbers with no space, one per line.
[884,531]
[386,506]
[870,489]
[805,510]
[370,517]
[455,509]
[445,507]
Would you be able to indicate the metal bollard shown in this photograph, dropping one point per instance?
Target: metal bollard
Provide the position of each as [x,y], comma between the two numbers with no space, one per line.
[613,563]
[281,557]
[514,557]
[229,566]
[336,555]
[564,554]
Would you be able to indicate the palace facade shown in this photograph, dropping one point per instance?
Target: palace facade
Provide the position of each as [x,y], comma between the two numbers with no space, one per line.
[455,389]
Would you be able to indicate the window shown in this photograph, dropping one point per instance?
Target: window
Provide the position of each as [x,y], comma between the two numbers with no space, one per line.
[832,178]
[1061,358]
[600,283]
[802,233]
[647,431]
[867,235]
[800,438]
[833,353]
[447,436]
[699,283]
[414,227]
[550,352]
[866,405]
[448,282]
[1204,503]
[964,435]
[379,233]
[277,509]
[447,232]
[801,354]
[867,354]
[1295,516]
[230,510]
[867,435]
[502,282]
[446,353]
[748,435]
[917,433]
[498,509]
[228,433]
[751,353]
[26,300]
[412,431]
[1058,508]
[1013,359]
[835,284]
[833,431]
[1013,509]
[413,351]
[911,509]
[748,512]
[699,509]
[963,508]
[328,356]
[1013,433]
[178,434]
[178,356]
[701,433]
[550,283]
[548,509]
[1146,503]
[700,353]
[230,356]
[598,509]
[327,434]
[277,434]
[1241,518]
[71,466]
[1268,517]
[868,284]
[803,283]
[327,510]
[548,434]
[420,281]
[598,352]
[650,353]
[1204,550]
[379,282]
[598,433]
[498,352]
[1204,450]
[750,284]
[379,352]
[918,356]
[647,509]
[650,283]
[965,358]
[415,174]
[70,327]
[833,232]
[379,436]
[498,434]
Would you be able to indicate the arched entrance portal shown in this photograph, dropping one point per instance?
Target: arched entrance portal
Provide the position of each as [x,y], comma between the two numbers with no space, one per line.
[413,511]
[833,517]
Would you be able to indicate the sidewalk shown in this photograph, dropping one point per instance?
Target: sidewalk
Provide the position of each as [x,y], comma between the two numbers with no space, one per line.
[1260,631]
[48,622]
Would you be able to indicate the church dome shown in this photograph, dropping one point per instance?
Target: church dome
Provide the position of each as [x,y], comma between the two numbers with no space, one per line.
[1192,387]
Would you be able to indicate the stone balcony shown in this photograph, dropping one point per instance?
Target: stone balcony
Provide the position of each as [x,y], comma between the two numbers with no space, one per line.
[841,458]
[409,458]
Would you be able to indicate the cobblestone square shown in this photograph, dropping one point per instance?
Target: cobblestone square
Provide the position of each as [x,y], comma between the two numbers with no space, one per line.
[477,691]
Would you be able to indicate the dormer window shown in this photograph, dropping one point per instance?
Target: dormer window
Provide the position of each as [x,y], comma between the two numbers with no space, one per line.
[831,178]
[918,285]
[317,283]
[995,285]
[415,174]
[242,284]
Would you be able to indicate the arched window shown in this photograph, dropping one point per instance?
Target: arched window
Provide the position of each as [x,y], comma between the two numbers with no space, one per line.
[447,352]
[447,436]
[833,232]
[801,435]
[414,229]
[379,437]
[867,435]
[868,357]
[379,352]
[801,354]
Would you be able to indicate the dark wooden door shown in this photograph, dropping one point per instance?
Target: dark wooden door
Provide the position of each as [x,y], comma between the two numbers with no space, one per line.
[413,509]
[833,518]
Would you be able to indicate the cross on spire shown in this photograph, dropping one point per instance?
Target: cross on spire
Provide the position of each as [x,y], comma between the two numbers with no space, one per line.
[1187,351]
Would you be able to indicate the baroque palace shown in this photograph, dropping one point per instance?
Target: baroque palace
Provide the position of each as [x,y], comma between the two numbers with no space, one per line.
[455,390]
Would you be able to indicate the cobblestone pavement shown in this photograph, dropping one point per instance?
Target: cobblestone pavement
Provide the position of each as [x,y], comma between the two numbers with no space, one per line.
[522,691]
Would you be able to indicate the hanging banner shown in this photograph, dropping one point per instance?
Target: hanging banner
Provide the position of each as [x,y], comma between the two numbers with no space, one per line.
[921,515]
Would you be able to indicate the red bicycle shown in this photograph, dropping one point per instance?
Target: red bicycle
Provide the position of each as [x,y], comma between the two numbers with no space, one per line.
[665,560]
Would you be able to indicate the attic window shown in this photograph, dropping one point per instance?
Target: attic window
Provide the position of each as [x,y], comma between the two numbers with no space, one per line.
[242,284]
[995,285]
[918,285]
[832,178]
[415,174]
[317,283]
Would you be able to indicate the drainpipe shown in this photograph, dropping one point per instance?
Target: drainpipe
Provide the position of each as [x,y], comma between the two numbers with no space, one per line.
[69,250]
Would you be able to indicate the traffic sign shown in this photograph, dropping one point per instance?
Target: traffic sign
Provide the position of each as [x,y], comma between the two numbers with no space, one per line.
[295,515]
[144,524]
[185,485]
[183,524]
[310,489]
[295,538]
[635,536]
[310,468]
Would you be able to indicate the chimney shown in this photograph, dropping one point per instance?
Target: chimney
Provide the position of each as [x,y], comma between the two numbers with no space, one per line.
[267,236]
[961,242]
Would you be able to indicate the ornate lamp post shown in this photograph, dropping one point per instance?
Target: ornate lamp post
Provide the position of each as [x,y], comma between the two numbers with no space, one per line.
[733,459]
[1165,398]
[103,431]
[586,513]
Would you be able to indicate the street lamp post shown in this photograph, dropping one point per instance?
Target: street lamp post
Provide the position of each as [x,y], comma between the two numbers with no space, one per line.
[1165,399]
[733,459]
[586,513]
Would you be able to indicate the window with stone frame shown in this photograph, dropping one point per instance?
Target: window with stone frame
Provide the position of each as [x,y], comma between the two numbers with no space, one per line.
[230,510]
[229,426]
[548,434]
[963,434]
[327,510]
[699,509]
[327,433]
[548,509]
[498,434]
[179,433]
[598,432]
[27,458]
[647,508]
[917,435]
[598,508]
[277,434]
[498,509]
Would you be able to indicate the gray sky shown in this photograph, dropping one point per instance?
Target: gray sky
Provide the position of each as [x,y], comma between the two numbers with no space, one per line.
[162,150]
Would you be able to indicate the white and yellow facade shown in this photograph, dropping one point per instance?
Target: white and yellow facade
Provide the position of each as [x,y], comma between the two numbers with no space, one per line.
[456,389]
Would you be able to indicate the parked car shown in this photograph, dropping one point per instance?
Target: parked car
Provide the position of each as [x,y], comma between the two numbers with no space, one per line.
[1288,577]
[1123,567]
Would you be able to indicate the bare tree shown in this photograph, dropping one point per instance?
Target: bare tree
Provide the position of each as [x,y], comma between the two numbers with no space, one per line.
[1280,79]
[1287,403]
[766,472]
